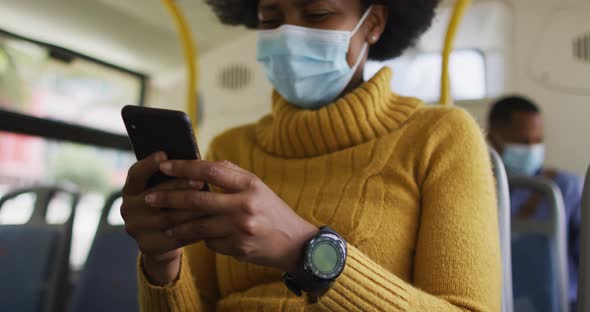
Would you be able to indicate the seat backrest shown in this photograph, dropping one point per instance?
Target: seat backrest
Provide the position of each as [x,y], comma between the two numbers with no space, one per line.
[503,195]
[108,281]
[539,252]
[26,257]
[34,257]
[584,268]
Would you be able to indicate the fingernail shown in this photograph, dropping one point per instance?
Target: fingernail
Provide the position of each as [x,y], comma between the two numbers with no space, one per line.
[169,233]
[150,199]
[194,184]
[166,167]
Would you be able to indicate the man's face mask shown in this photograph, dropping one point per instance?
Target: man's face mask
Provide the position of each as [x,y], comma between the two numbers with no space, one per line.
[522,159]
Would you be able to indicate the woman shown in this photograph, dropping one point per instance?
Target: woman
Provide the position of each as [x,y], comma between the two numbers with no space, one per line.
[406,191]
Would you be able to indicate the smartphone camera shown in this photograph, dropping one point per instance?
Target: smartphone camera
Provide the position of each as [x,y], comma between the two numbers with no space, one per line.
[133,127]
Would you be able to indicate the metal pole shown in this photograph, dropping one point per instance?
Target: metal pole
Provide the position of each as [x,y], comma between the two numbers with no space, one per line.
[504,227]
[584,269]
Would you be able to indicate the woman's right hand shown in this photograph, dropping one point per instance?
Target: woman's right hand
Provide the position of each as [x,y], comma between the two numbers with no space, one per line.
[160,253]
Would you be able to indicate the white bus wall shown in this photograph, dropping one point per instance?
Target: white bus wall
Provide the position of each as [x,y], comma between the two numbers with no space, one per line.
[223,107]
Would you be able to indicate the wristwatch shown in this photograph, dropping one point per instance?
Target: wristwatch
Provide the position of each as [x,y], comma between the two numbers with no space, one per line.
[323,261]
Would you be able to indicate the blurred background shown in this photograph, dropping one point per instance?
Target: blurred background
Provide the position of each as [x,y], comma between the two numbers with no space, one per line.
[128,52]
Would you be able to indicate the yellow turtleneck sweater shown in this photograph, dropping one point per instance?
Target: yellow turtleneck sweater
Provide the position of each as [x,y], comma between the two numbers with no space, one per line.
[410,188]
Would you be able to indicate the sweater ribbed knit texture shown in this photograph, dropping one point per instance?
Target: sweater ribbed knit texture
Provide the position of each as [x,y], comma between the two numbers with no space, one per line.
[409,187]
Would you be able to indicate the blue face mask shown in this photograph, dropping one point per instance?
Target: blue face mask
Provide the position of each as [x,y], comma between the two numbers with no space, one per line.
[308,66]
[523,159]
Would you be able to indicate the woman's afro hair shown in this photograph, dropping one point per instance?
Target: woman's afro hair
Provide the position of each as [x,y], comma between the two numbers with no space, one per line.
[408,19]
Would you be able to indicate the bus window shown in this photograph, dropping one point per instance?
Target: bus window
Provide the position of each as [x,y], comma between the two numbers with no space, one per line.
[26,160]
[419,75]
[17,210]
[49,83]
[114,217]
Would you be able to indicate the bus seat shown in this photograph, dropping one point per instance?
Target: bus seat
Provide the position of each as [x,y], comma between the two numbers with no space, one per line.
[108,281]
[539,253]
[35,256]
[534,288]
[503,194]
[584,269]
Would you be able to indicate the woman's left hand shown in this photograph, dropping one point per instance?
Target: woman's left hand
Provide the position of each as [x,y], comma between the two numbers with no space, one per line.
[248,221]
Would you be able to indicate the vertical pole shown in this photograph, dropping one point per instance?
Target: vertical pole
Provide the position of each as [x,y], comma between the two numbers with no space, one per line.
[190,55]
[445,82]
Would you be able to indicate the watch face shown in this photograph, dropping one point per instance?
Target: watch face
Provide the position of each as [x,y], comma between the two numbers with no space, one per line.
[325,257]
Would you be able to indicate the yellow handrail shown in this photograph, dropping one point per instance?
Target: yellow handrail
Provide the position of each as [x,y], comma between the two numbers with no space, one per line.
[445,83]
[190,55]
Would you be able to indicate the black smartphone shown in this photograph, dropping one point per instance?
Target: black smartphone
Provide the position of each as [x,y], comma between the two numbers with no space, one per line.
[153,129]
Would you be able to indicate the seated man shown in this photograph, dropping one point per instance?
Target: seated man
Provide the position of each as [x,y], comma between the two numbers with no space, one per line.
[515,130]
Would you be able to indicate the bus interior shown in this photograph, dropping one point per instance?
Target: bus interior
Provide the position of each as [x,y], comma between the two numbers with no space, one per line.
[68,67]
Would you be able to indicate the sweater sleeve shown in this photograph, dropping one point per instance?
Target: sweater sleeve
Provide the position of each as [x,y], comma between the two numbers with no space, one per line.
[195,289]
[457,261]
[181,295]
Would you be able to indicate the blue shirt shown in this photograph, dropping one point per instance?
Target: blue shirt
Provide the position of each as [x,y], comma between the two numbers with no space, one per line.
[571,189]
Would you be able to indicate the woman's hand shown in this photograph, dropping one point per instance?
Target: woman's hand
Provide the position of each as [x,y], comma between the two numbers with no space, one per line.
[248,221]
[160,253]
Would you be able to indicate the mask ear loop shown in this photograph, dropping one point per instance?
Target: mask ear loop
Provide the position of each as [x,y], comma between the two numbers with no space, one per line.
[360,23]
[365,45]
[360,58]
